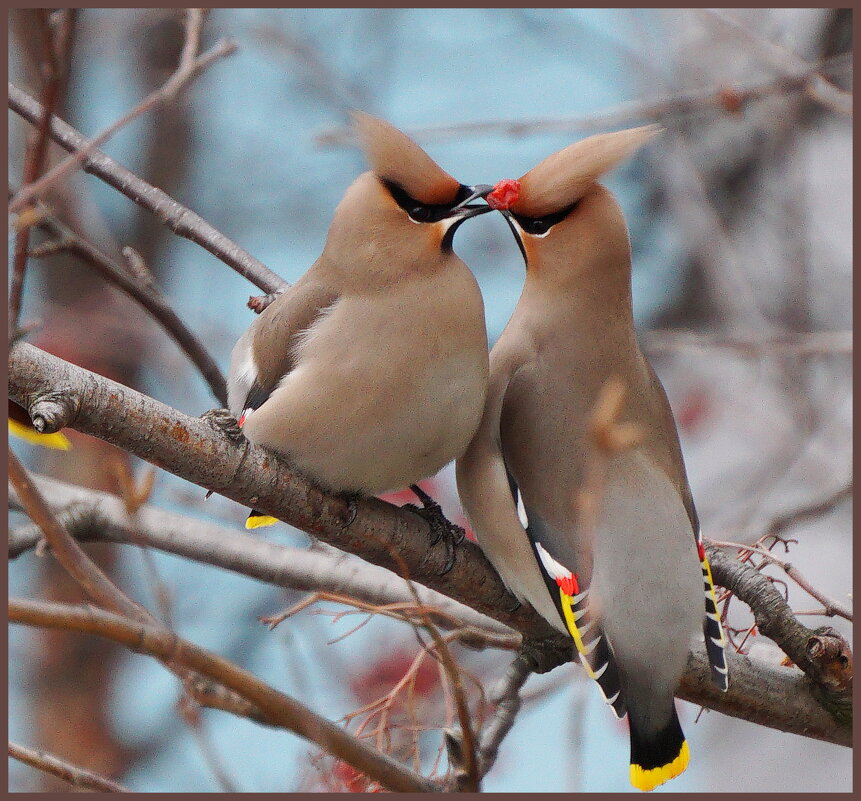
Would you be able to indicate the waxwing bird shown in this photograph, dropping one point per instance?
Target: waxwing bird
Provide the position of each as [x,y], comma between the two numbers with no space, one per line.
[630,589]
[370,372]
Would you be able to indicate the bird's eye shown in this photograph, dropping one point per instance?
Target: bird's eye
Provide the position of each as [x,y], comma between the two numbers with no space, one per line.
[421,213]
[538,226]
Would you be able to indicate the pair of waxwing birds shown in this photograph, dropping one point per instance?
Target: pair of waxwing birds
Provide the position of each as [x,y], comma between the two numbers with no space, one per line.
[371,372]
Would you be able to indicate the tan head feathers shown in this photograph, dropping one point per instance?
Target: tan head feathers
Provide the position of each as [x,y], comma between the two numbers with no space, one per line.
[562,178]
[393,156]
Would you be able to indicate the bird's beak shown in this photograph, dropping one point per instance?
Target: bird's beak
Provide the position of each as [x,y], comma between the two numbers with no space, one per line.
[513,226]
[466,208]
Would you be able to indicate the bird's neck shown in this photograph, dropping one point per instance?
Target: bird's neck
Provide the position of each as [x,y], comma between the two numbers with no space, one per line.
[590,308]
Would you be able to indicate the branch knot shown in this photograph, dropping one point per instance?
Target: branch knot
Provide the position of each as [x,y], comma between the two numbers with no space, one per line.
[51,411]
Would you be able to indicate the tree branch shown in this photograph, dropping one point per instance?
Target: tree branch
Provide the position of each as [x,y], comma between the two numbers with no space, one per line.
[68,553]
[506,700]
[190,67]
[77,777]
[98,516]
[178,218]
[828,669]
[279,709]
[192,449]
[139,286]
[56,64]
[819,343]
[816,86]
[718,98]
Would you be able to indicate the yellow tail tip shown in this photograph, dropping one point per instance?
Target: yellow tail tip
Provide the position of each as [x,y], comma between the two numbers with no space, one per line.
[649,779]
[260,521]
[57,441]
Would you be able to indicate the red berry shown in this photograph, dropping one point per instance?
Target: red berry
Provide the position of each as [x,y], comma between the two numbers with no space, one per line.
[504,195]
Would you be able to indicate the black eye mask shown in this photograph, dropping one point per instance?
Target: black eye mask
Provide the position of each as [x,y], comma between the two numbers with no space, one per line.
[534,225]
[541,225]
[427,212]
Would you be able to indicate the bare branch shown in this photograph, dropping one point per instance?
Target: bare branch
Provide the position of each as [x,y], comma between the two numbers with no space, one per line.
[57,49]
[831,606]
[77,777]
[99,517]
[279,709]
[727,99]
[819,343]
[190,67]
[816,86]
[808,512]
[192,449]
[137,282]
[68,553]
[178,218]
[506,699]
[775,620]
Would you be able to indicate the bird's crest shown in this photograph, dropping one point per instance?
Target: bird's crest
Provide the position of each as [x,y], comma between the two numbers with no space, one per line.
[561,179]
[395,157]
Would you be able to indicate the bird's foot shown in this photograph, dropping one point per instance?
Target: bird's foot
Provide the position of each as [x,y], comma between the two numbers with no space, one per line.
[541,656]
[352,511]
[442,529]
[222,420]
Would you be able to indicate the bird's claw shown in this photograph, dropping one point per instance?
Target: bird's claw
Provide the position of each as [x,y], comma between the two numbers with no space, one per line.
[541,656]
[442,529]
[514,607]
[352,499]
[222,420]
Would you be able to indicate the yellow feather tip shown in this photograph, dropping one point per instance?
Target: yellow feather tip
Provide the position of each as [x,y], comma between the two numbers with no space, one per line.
[260,521]
[650,779]
[57,441]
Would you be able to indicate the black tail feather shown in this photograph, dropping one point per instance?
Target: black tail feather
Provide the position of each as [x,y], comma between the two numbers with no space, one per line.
[656,756]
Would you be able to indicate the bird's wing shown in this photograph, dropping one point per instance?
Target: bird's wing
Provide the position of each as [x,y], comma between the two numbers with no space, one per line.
[520,546]
[570,594]
[266,352]
[482,481]
[713,633]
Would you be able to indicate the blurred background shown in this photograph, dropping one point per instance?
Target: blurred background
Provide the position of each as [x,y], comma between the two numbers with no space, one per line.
[740,219]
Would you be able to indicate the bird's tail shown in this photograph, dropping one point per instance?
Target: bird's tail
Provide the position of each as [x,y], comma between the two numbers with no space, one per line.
[657,756]
[58,441]
[259,520]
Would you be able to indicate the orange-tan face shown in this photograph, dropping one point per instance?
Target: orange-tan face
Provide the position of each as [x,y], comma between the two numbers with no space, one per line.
[568,240]
[559,213]
[407,200]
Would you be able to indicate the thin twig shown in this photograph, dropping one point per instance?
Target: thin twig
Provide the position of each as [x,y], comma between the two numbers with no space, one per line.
[507,701]
[77,777]
[816,86]
[189,69]
[68,553]
[57,47]
[279,709]
[818,343]
[469,779]
[832,607]
[137,282]
[178,218]
[810,511]
[634,111]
